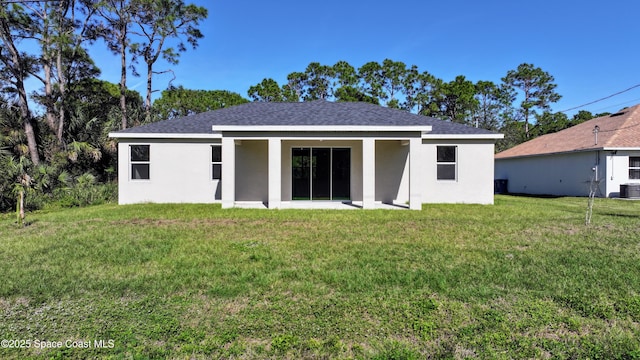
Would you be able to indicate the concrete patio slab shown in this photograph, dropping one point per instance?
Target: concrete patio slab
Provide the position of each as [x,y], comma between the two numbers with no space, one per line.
[320,205]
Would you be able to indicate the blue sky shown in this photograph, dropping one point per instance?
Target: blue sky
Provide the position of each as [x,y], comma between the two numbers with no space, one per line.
[590,47]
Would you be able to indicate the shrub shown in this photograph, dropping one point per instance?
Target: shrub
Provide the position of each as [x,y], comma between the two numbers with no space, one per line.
[84,194]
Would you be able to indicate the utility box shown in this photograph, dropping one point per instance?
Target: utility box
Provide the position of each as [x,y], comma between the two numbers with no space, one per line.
[500,186]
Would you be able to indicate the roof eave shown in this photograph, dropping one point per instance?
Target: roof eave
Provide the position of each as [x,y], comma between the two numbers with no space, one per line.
[133,135]
[552,153]
[463,136]
[319,128]
[217,132]
[620,148]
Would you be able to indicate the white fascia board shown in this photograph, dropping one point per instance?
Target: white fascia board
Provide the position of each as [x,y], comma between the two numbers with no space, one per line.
[312,137]
[463,136]
[221,128]
[164,136]
[550,153]
[621,149]
[573,152]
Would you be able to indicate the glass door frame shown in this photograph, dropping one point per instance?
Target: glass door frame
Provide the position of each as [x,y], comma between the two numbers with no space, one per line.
[310,172]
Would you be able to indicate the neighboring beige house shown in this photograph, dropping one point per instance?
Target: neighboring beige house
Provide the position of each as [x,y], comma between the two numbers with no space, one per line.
[605,150]
[301,154]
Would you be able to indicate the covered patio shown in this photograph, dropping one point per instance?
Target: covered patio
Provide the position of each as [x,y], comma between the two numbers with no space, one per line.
[360,171]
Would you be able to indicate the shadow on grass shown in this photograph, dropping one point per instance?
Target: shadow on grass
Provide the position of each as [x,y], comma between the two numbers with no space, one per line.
[535,196]
[632,216]
[24,224]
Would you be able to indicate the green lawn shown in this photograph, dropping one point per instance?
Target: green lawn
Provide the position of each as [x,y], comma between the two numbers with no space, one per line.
[524,278]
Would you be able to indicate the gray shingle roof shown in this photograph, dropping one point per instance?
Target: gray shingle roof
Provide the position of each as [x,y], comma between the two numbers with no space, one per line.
[313,113]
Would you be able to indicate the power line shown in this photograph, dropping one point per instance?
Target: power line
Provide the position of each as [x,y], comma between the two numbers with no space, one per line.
[616,106]
[601,99]
[618,129]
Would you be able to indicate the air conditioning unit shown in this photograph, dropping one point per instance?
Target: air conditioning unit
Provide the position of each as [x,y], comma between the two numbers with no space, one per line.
[630,191]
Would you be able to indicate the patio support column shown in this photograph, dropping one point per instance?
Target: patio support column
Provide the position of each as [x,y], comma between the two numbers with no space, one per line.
[275,173]
[228,172]
[415,162]
[368,173]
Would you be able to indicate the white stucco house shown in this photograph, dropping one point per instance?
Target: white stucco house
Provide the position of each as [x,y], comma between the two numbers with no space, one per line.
[279,155]
[605,149]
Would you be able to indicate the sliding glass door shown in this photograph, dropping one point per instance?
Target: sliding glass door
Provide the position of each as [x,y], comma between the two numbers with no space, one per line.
[301,172]
[321,173]
[341,174]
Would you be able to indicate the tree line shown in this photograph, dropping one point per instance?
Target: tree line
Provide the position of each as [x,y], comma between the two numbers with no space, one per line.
[519,105]
[61,152]
[48,41]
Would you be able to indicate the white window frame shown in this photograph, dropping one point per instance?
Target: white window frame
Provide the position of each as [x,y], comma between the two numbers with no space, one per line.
[634,168]
[214,163]
[139,162]
[448,163]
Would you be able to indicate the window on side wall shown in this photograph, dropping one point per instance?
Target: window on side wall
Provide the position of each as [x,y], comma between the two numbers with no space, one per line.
[446,162]
[139,156]
[634,168]
[216,162]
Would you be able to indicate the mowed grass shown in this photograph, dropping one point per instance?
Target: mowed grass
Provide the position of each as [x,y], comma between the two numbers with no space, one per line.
[524,278]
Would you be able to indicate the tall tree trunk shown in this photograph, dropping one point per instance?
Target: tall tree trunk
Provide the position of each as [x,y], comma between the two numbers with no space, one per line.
[116,14]
[46,67]
[16,67]
[27,122]
[526,123]
[147,102]
[123,74]
[527,96]
[48,91]
[62,88]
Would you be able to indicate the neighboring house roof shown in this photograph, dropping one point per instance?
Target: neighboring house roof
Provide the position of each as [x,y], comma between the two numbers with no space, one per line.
[616,131]
[293,114]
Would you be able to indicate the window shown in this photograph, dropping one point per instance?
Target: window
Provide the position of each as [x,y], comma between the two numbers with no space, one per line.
[139,155]
[446,162]
[634,168]
[216,162]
